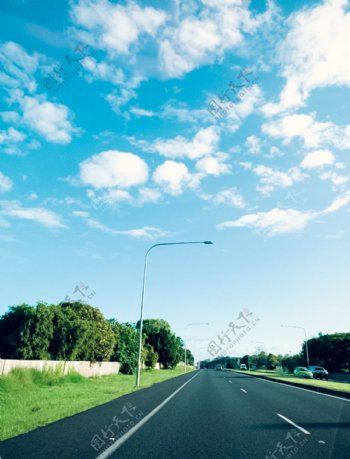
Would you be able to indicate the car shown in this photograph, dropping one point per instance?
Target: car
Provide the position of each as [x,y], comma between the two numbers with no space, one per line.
[318,372]
[303,372]
[243,366]
[219,368]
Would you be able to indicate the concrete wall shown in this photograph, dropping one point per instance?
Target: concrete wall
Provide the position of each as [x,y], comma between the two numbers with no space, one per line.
[84,368]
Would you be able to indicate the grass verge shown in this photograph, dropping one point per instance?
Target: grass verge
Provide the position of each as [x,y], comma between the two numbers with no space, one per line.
[30,398]
[336,386]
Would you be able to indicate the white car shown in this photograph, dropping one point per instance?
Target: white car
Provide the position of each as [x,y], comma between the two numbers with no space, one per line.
[243,366]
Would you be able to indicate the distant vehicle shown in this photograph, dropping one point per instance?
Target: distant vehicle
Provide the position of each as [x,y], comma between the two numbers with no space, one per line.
[303,372]
[243,366]
[219,368]
[318,372]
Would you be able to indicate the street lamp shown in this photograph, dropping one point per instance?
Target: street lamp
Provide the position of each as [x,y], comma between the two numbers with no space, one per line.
[190,325]
[143,297]
[306,346]
[195,348]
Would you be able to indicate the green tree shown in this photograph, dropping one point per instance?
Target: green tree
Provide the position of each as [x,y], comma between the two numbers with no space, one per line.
[272,361]
[126,346]
[331,351]
[12,327]
[158,334]
[292,361]
[81,333]
[68,331]
[151,357]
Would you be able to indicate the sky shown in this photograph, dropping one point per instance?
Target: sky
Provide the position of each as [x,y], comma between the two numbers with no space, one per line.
[127,124]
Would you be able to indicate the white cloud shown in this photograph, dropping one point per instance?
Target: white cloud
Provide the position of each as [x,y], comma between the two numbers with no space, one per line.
[52,121]
[142,112]
[5,182]
[18,67]
[174,177]
[315,53]
[38,214]
[271,178]
[10,139]
[275,221]
[204,143]
[183,114]
[10,117]
[310,131]
[197,40]
[113,168]
[213,165]
[228,196]
[147,232]
[109,197]
[104,71]
[339,202]
[318,158]
[125,85]
[115,28]
[335,178]
[253,144]
[279,221]
[124,93]
[149,195]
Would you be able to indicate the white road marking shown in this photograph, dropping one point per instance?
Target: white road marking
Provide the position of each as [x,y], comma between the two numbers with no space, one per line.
[299,388]
[230,382]
[143,421]
[243,390]
[306,432]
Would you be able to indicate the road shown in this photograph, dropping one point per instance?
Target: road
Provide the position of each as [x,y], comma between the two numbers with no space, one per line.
[206,414]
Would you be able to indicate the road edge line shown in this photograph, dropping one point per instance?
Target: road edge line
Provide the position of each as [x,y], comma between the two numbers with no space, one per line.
[111,449]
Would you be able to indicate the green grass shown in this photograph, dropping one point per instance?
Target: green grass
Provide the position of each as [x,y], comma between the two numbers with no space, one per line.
[30,398]
[338,386]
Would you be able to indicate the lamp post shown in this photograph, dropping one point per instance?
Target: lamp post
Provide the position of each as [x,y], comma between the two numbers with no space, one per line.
[143,296]
[198,340]
[190,325]
[306,346]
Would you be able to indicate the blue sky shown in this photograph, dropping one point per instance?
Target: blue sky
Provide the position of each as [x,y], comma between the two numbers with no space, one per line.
[125,124]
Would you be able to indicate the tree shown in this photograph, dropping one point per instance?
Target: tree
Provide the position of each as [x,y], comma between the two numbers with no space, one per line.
[81,333]
[245,360]
[330,351]
[292,361]
[12,326]
[272,361]
[37,333]
[158,334]
[68,331]
[151,357]
[126,346]
[189,356]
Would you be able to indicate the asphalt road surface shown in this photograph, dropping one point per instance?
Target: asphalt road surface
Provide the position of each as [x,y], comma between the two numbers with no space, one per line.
[206,414]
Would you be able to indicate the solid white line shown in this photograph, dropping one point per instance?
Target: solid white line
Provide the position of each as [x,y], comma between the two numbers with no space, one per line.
[143,421]
[293,424]
[244,391]
[299,388]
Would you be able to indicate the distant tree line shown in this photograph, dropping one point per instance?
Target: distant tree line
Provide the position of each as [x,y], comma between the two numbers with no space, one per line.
[78,331]
[330,351]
